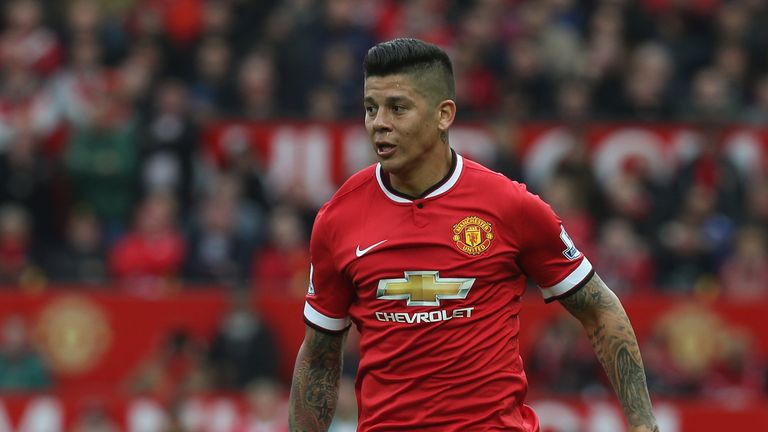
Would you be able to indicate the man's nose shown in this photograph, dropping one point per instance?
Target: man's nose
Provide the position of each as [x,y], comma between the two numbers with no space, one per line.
[381,121]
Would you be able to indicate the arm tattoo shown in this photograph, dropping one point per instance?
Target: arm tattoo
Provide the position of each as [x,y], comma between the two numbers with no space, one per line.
[315,385]
[615,344]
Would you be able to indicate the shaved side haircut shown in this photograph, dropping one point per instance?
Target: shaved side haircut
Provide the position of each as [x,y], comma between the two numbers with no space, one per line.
[427,64]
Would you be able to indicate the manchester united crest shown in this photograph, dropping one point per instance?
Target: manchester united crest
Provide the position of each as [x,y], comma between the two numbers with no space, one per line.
[74,333]
[472,235]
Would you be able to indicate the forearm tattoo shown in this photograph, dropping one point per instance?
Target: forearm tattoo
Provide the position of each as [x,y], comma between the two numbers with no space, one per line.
[615,344]
[315,386]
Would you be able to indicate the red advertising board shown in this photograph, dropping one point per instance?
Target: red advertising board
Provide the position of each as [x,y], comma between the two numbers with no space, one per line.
[318,157]
[96,340]
[52,413]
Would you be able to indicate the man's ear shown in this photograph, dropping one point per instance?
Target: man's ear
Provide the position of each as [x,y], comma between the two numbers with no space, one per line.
[446,112]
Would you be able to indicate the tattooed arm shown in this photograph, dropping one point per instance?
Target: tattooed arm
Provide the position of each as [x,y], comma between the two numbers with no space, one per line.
[315,385]
[614,342]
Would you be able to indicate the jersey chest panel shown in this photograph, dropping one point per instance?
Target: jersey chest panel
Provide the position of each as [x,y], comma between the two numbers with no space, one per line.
[428,264]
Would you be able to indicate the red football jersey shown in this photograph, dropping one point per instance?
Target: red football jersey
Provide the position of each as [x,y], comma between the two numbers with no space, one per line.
[434,286]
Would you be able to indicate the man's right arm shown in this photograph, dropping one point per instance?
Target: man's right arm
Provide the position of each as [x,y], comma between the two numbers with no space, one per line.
[315,385]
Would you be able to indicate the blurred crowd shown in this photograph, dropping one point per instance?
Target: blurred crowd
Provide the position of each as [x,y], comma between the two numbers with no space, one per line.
[102,105]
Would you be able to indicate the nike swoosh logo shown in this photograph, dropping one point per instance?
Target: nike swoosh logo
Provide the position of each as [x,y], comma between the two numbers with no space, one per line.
[360,252]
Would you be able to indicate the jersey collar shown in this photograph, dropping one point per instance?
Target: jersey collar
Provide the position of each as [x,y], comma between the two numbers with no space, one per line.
[441,187]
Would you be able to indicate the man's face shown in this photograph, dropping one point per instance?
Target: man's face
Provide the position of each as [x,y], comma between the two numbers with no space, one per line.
[401,122]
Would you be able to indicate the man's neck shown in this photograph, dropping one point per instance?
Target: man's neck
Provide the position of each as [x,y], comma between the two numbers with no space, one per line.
[416,182]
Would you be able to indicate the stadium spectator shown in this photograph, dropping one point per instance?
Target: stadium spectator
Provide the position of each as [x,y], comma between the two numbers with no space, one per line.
[26,105]
[26,41]
[732,22]
[140,71]
[756,205]
[101,160]
[22,368]
[563,362]
[244,349]
[731,59]
[527,77]
[209,79]
[91,20]
[633,193]
[168,146]
[710,97]
[745,271]
[266,408]
[257,81]
[80,257]
[425,20]
[605,57]
[573,101]
[79,86]
[575,166]
[94,417]
[323,104]
[626,258]
[174,370]
[17,255]
[685,31]
[691,244]
[340,75]
[148,258]
[506,140]
[217,251]
[82,18]
[303,46]
[281,267]
[711,168]
[27,179]
[241,187]
[757,111]
[645,85]
[243,165]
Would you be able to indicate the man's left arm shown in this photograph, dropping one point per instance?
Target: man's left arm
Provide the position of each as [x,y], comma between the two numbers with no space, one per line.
[615,344]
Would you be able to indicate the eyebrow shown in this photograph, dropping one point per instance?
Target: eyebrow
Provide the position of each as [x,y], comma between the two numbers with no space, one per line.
[390,100]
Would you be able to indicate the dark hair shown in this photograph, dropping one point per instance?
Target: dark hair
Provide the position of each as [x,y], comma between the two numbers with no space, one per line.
[412,56]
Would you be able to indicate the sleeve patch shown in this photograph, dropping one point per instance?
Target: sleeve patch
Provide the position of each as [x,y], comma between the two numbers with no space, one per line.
[570,251]
[311,288]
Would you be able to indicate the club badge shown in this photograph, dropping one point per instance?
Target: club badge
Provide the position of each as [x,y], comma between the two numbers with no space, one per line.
[472,235]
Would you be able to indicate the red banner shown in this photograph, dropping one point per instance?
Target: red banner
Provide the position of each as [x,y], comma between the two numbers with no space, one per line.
[96,340]
[228,414]
[319,157]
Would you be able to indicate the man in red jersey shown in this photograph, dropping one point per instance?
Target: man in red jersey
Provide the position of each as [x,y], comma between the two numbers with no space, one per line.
[427,253]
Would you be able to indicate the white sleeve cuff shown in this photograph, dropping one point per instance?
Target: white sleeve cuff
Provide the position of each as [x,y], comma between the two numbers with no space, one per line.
[323,321]
[575,278]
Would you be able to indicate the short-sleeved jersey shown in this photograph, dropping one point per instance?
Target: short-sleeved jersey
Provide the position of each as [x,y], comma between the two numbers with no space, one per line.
[434,286]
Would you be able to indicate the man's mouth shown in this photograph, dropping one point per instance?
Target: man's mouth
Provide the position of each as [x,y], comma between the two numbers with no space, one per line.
[385,149]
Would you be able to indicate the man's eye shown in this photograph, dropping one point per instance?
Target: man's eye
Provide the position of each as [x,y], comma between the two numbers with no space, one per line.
[370,109]
[398,108]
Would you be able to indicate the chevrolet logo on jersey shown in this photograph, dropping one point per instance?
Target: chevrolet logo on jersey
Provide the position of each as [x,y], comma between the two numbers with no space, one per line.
[424,288]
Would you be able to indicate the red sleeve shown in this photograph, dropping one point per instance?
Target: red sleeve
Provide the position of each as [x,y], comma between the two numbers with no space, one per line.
[330,293]
[547,254]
